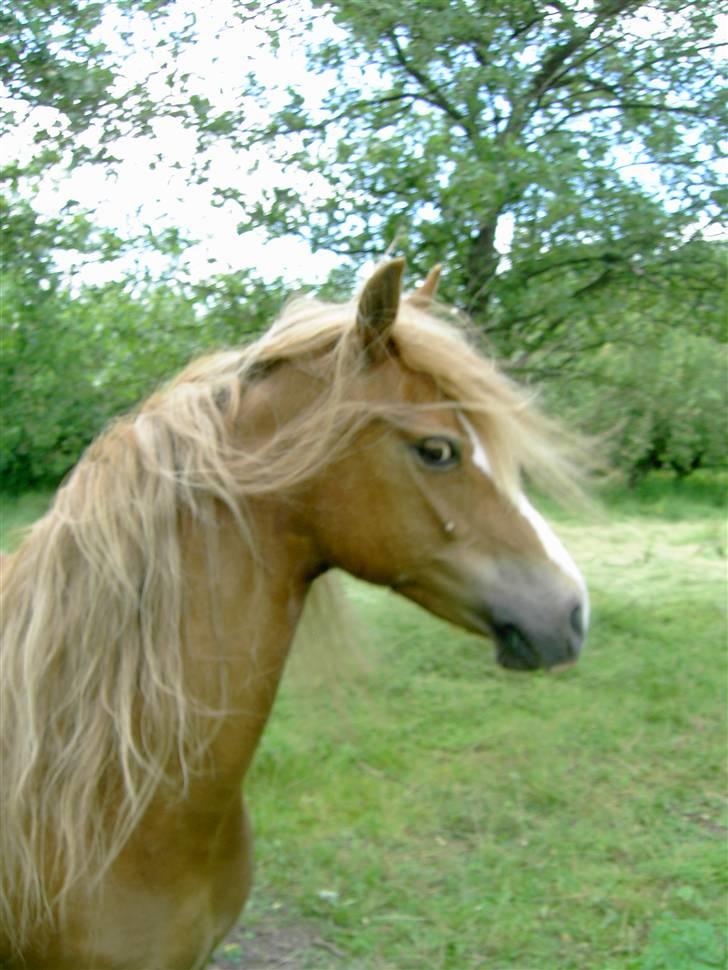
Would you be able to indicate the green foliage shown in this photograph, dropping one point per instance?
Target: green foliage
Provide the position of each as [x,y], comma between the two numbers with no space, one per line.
[501,139]
[446,134]
[73,356]
[17,512]
[37,357]
[661,495]
[443,129]
[69,364]
[69,96]
[659,402]
[57,57]
[50,59]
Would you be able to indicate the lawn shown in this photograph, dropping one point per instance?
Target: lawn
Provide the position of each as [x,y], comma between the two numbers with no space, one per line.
[430,810]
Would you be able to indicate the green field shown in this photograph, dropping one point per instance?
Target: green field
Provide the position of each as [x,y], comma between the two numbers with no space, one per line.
[434,811]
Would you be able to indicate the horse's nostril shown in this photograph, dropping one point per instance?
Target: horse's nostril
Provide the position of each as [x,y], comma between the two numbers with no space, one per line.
[576,619]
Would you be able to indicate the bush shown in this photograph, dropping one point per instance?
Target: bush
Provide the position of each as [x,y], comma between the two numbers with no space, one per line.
[69,364]
[660,403]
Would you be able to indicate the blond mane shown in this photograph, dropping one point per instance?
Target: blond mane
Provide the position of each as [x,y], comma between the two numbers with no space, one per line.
[95,712]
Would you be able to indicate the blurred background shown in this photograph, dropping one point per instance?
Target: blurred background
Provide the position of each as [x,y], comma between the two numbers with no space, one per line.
[171,171]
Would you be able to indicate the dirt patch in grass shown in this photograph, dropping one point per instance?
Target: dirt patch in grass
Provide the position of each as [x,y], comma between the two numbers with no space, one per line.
[275,945]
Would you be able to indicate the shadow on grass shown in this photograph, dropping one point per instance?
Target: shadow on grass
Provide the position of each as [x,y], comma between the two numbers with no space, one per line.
[276,941]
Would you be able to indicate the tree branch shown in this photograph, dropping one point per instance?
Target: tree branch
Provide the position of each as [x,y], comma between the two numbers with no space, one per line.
[438,98]
[553,66]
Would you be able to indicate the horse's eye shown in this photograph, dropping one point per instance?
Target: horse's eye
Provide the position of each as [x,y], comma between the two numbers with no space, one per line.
[437,452]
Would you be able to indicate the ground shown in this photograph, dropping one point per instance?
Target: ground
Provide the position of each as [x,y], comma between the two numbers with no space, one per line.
[280,944]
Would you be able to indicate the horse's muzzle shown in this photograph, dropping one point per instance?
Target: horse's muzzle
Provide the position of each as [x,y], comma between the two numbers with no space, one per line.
[518,648]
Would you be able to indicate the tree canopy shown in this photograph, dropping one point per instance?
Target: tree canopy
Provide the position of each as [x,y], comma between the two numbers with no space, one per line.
[553,154]
[561,157]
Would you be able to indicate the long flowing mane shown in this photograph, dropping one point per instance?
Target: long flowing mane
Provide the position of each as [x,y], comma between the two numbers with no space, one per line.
[95,710]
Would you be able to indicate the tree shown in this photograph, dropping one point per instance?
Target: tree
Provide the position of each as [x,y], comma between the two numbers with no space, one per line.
[73,355]
[502,139]
[70,362]
[660,400]
[68,99]
[56,57]
[451,123]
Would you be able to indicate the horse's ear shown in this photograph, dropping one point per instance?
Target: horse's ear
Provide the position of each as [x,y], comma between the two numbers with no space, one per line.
[425,293]
[378,306]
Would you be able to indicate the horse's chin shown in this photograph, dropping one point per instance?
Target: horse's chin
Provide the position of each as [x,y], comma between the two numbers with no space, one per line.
[514,651]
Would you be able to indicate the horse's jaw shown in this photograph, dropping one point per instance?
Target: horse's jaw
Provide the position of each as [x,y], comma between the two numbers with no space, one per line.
[533,614]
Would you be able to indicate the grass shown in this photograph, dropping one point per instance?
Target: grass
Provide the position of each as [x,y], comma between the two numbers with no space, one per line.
[436,811]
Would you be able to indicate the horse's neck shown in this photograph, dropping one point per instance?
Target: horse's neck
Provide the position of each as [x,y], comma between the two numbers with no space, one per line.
[240,617]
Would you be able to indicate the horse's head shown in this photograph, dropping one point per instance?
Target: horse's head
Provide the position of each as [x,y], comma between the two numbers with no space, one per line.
[414,503]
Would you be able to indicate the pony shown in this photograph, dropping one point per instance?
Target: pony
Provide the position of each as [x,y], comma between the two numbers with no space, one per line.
[148,615]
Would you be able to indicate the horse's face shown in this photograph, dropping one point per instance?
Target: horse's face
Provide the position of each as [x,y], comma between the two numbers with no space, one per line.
[412,505]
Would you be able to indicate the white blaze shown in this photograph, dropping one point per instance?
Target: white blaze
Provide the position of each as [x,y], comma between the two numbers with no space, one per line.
[555,550]
[480,458]
[552,545]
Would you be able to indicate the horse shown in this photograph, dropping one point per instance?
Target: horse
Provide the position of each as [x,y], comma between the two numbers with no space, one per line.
[148,615]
